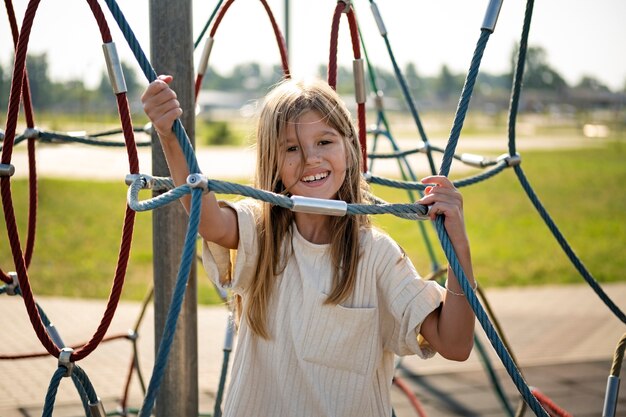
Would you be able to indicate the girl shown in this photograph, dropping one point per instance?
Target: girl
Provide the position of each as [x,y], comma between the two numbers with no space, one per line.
[326,301]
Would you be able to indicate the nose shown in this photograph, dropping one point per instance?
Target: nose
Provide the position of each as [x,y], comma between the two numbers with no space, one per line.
[312,155]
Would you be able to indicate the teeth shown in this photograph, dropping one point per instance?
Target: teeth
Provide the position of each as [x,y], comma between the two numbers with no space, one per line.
[315,177]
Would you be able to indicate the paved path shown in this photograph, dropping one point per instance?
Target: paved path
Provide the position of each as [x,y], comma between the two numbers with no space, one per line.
[90,162]
[563,337]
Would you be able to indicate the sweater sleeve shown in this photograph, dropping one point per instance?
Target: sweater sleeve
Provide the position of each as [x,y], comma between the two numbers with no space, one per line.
[234,268]
[406,299]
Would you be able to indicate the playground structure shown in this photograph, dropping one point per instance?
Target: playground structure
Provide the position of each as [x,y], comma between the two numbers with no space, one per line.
[17,282]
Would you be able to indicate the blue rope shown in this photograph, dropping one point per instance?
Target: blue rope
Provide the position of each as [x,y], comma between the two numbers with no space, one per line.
[463,105]
[410,185]
[86,140]
[515,96]
[151,75]
[493,377]
[187,259]
[482,317]
[82,384]
[52,391]
[580,267]
[407,95]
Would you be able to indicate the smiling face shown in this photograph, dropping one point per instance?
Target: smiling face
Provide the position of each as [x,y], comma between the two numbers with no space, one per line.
[307,144]
[314,158]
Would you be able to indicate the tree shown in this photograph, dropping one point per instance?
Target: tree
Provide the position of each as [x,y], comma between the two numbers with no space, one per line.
[40,85]
[447,85]
[592,83]
[413,80]
[538,74]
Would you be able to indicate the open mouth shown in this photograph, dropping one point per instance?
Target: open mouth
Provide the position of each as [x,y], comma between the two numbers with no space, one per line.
[316,177]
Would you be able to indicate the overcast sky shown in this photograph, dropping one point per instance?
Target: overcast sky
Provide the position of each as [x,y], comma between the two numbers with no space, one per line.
[581,37]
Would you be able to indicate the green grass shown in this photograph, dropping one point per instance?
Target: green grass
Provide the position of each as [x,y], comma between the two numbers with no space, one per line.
[584,192]
[79,228]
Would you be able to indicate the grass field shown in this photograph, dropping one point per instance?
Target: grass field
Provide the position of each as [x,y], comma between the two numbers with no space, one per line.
[79,228]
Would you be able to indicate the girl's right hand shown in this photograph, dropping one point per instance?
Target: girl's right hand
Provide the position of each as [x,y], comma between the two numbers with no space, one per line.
[161,105]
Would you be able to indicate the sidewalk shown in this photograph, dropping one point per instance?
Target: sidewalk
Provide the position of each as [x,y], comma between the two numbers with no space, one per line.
[562,336]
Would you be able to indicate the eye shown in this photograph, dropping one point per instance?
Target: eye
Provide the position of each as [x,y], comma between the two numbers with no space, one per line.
[292,148]
[325,142]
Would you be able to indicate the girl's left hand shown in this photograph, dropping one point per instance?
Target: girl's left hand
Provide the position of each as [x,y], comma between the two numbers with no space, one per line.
[443,198]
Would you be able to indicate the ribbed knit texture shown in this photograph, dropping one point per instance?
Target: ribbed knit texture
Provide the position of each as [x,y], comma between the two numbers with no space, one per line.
[323,360]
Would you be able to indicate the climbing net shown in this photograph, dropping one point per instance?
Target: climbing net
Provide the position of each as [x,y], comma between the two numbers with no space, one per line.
[18,282]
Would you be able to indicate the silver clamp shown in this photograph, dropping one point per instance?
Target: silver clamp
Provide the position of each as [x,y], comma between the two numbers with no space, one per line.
[491,15]
[147,128]
[379,20]
[65,360]
[97,409]
[198,181]
[473,160]
[148,181]
[511,161]
[319,206]
[7,170]
[114,68]
[132,335]
[14,286]
[32,133]
[206,53]
[378,100]
[359,81]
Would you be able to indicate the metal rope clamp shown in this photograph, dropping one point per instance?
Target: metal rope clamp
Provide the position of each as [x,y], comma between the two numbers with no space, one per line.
[97,409]
[65,361]
[132,335]
[32,133]
[148,181]
[198,181]
[511,161]
[14,286]
[7,170]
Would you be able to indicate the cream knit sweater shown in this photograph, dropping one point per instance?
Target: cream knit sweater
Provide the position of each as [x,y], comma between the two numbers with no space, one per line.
[322,360]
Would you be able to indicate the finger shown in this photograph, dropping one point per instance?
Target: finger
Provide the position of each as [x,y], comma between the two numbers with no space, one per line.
[438,180]
[166,78]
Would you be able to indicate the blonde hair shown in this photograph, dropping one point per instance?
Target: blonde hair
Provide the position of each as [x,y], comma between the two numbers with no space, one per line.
[286,103]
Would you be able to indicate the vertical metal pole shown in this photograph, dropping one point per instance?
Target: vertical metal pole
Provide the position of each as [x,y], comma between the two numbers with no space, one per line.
[171,48]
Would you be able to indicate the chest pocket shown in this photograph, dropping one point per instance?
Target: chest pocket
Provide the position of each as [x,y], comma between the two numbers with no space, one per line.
[338,337]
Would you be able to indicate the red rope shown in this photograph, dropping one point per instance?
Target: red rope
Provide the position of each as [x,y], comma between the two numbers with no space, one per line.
[332,55]
[219,17]
[332,68]
[280,41]
[44,354]
[410,395]
[550,406]
[5,183]
[28,111]
[5,189]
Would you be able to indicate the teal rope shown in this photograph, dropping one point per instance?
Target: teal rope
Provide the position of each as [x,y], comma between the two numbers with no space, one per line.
[167,339]
[483,319]
[515,96]
[151,75]
[493,377]
[207,24]
[463,105]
